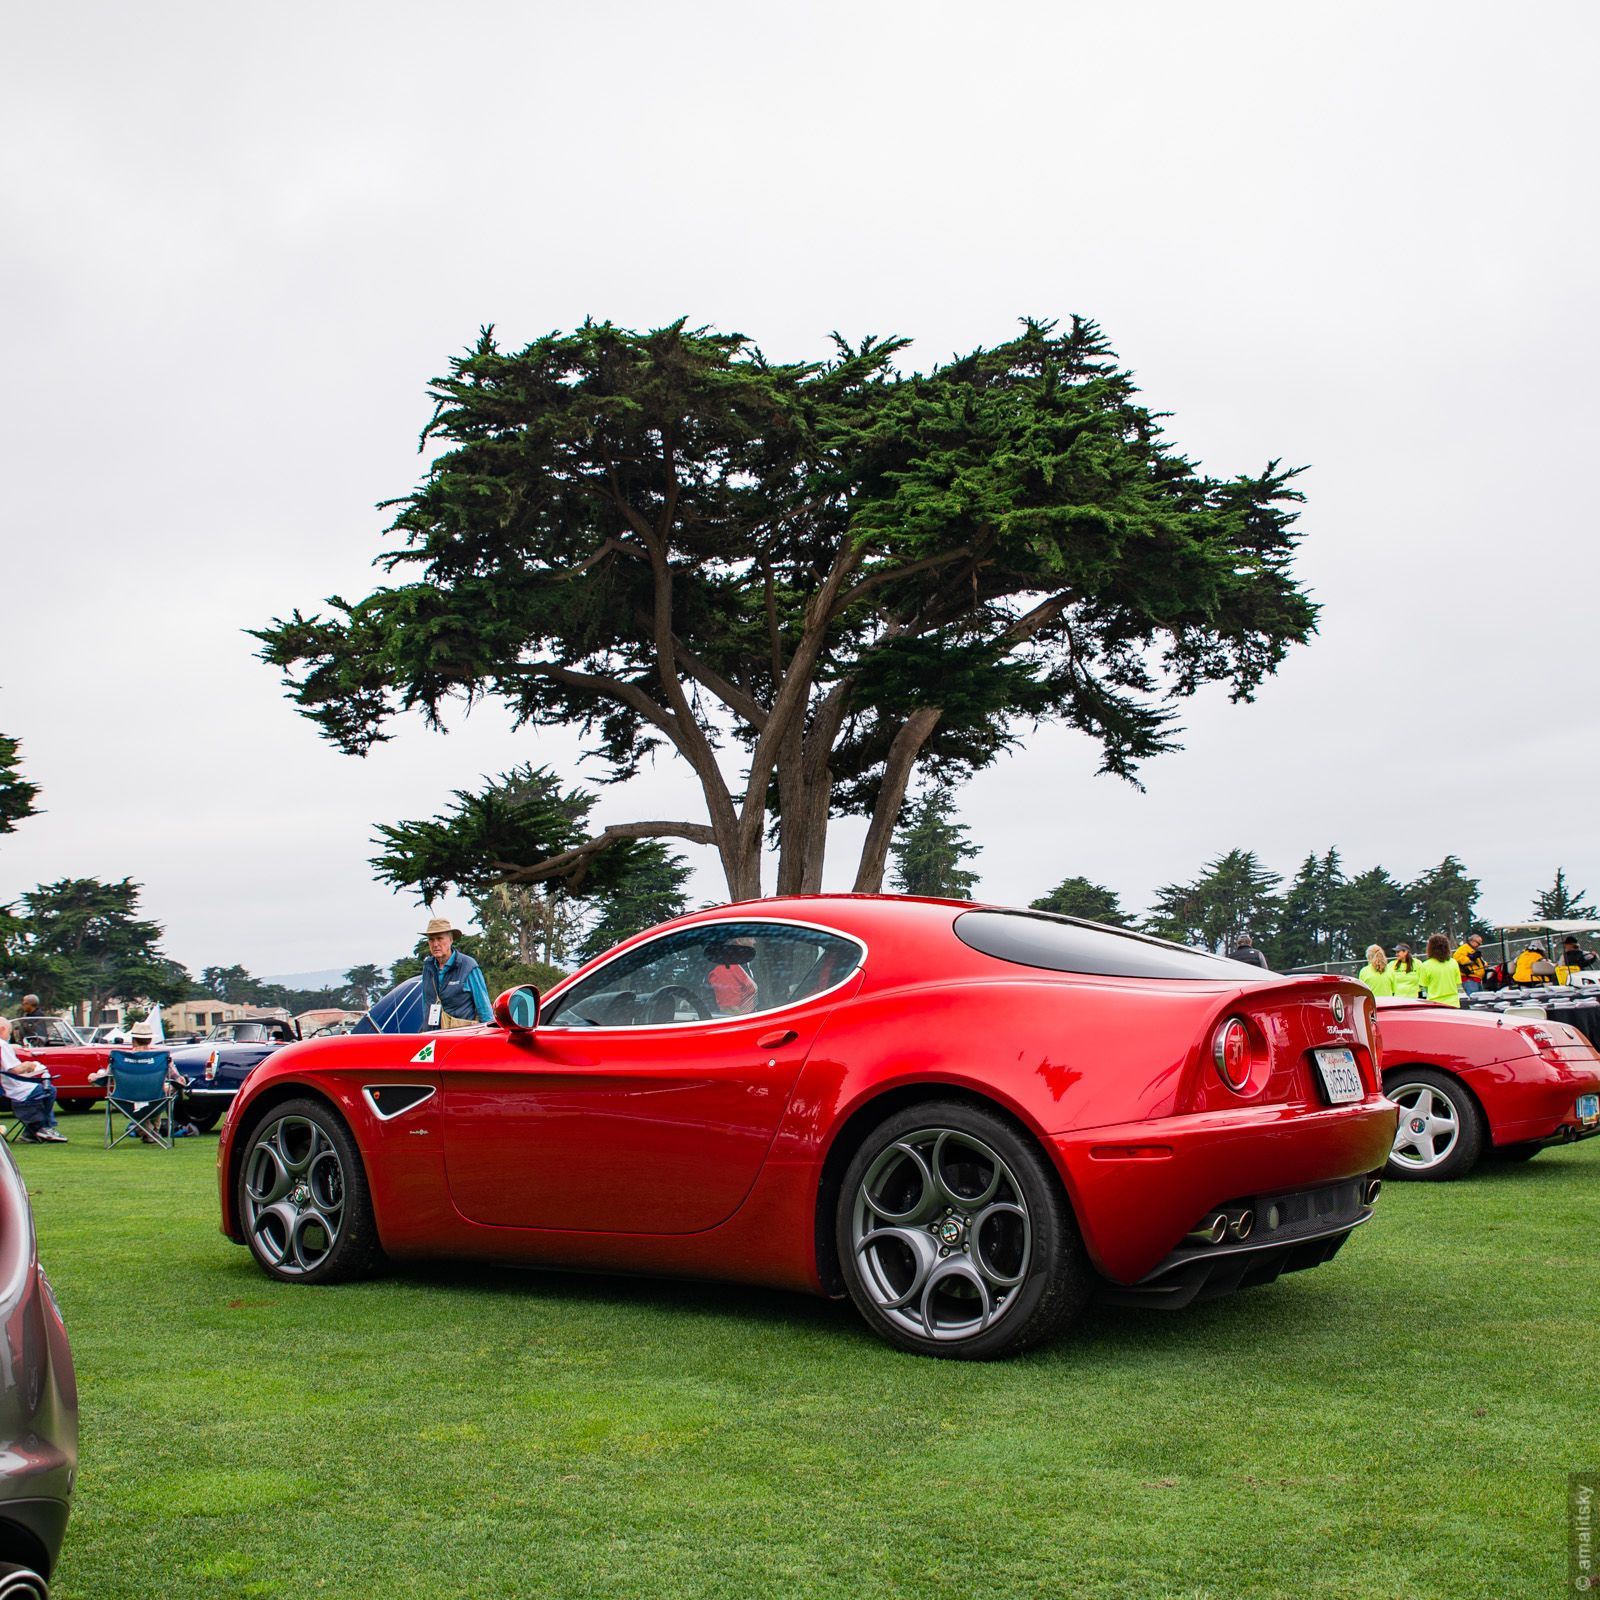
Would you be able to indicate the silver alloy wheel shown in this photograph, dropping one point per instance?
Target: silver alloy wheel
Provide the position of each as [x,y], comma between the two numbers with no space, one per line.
[1430,1124]
[294,1192]
[941,1234]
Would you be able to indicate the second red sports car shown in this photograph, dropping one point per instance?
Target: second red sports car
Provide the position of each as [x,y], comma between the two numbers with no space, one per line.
[968,1119]
[1476,1083]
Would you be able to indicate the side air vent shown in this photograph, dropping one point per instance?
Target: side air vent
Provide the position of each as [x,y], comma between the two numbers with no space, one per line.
[390,1099]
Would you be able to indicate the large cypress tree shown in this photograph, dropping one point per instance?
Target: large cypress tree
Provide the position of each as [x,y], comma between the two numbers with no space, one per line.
[852,575]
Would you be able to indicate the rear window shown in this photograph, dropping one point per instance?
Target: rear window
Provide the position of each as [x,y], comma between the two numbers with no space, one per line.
[1059,944]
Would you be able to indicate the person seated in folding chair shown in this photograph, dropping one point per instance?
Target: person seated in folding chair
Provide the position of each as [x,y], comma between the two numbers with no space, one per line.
[155,1125]
[30,1095]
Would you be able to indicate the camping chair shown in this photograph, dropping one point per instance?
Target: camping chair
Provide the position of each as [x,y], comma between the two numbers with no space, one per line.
[139,1093]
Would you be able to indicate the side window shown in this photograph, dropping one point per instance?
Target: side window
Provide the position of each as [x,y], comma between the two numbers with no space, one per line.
[701,974]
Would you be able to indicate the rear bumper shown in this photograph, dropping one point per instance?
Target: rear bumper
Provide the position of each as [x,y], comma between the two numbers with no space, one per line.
[1532,1100]
[1291,1232]
[1139,1188]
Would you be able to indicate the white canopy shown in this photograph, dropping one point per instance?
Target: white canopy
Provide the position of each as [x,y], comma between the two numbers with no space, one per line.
[1562,928]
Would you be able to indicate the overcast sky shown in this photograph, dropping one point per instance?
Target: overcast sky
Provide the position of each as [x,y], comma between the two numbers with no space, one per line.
[239,241]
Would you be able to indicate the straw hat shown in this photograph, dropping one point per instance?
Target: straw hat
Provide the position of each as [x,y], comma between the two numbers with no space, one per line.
[440,925]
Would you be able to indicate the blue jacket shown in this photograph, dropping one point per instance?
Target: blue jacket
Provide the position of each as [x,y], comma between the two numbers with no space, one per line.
[458,985]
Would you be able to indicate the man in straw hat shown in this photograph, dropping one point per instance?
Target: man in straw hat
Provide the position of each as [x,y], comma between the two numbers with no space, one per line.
[453,989]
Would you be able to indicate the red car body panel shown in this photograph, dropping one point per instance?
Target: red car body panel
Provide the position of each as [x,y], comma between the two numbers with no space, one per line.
[69,1067]
[1528,1090]
[703,1148]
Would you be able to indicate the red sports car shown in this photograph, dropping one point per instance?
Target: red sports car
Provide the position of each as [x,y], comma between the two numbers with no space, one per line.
[969,1119]
[58,1047]
[1471,1083]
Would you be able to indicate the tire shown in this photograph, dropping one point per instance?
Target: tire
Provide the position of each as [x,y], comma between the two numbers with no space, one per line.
[205,1121]
[1451,1139]
[1012,1264]
[303,1198]
[75,1108]
[1513,1153]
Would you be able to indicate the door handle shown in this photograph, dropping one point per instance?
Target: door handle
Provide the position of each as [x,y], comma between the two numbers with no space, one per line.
[771,1041]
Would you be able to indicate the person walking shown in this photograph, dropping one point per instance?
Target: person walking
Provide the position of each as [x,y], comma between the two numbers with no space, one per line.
[1244,950]
[1405,974]
[1440,974]
[1376,974]
[1469,957]
[453,991]
[31,1095]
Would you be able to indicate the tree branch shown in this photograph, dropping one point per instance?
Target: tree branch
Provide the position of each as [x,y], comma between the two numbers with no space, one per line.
[570,865]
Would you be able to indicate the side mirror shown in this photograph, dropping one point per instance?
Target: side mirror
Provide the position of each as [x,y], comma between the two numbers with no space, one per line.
[517,1010]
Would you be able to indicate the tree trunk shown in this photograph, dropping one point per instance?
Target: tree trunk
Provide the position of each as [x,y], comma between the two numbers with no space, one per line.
[903,753]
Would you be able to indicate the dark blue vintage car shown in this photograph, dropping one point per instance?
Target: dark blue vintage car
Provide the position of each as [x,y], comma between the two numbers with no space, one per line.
[214,1069]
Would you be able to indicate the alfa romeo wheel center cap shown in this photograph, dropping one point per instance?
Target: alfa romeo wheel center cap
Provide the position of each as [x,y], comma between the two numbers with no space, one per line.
[950,1232]
[1418,1124]
[300,1197]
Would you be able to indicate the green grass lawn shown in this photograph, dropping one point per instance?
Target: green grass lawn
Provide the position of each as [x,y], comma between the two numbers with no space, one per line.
[1398,1423]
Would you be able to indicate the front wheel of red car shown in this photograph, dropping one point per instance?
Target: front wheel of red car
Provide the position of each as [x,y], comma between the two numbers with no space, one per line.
[955,1237]
[303,1197]
[1440,1135]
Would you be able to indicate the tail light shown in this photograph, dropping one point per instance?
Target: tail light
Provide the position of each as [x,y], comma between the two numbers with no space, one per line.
[1230,1049]
[211,1067]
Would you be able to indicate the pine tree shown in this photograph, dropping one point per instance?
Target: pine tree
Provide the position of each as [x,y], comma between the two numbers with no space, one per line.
[1079,897]
[1309,927]
[1558,903]
[1442,901]
[929,848]
[1235,894]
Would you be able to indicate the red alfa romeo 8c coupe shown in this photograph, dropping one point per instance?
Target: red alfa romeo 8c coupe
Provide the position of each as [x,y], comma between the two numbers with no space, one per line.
[970,1120]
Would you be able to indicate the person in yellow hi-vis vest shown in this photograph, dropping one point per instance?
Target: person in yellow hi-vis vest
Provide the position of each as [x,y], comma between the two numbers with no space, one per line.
[1533,966]
[1440,973]
[1469,957]
[1376,974]
[1406,974]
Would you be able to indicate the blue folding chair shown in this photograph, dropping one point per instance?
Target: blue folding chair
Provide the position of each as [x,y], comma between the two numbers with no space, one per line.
[139,1093]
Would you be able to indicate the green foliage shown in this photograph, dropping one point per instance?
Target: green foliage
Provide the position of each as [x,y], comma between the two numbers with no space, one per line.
[665,538]
[653,892]
[930,847]
[1558,903]
[1311,919]
[81,939]
[1373,908]
[1234,894]
[17,795]
[501,968]
[1442,900]
[366,983]
[485,843]
[1078,897]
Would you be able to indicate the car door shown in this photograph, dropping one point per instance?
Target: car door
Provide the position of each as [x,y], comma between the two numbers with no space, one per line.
[640,1106]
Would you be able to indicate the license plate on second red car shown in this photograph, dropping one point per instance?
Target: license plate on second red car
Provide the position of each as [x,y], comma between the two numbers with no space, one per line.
[1588,1108]
[1341,1082]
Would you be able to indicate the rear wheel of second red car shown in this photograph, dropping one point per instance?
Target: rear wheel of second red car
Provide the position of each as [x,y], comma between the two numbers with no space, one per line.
[955,1237]
[1440,1135]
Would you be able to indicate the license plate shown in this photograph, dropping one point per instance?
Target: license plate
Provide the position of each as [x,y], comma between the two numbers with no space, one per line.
[1588,1108]
[1341,1082]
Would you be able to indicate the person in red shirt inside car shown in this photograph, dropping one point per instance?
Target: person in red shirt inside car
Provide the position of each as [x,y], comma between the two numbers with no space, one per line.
[732,987]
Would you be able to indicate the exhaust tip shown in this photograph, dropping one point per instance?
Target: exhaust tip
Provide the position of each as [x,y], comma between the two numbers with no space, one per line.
[21,1583]
[1374,1189]
[1242,1224]
[1213,1230]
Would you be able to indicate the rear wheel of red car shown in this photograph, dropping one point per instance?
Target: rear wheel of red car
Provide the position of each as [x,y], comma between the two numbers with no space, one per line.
[205,1121]
[303,1197]
[1441,1133]
[955,1237]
